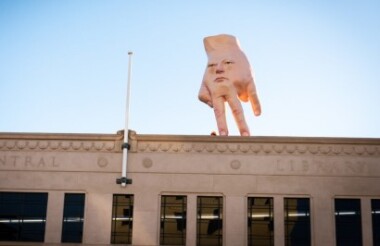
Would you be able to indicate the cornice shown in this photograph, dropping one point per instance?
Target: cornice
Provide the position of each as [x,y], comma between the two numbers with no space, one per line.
[61,142]
[141,143]
[254,145]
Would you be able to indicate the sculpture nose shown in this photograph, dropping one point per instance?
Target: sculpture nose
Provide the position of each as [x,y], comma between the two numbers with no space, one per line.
[219,68]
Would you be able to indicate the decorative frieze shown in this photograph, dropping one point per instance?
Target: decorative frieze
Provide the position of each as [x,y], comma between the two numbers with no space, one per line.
[58,145]
[61,142]
[190,144]
[259,148]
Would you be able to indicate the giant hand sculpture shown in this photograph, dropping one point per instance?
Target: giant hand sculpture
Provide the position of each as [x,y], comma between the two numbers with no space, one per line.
[228,78]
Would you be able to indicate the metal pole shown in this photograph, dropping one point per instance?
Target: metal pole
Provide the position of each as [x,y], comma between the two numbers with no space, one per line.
[124,181]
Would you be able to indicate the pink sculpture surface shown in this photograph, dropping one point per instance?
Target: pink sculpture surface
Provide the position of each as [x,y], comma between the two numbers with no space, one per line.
[228,77]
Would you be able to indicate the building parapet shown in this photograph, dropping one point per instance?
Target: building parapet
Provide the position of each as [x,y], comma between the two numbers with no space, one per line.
[255,145]
[148,143]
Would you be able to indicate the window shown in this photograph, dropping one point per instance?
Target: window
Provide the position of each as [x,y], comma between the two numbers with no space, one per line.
[122,219]
[297,221]
[209,221]
[22,216]
[260,221]
[72,225]
[348,222]
[173,220]
[375,204]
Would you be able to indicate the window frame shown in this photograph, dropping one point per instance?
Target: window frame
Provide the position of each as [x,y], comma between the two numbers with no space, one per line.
[164,219]
[250,220]
[221,215]
[338,240]
[375,218]
[22,218]
[67,205]
[289,222]
[117,235]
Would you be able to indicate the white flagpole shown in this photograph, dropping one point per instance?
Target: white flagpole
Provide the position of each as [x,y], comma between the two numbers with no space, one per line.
[124,181]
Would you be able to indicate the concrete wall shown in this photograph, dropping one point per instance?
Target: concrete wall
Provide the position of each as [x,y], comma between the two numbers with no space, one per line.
[232,167]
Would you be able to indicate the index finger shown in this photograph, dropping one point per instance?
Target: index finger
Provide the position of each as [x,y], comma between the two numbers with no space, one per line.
[204,95]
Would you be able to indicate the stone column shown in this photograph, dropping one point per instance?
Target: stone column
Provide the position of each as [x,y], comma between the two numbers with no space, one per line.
[322,220]
[146,219]
[98,216]
[366,221]
[235,220]
[54,217]
[191,220]
[279,233]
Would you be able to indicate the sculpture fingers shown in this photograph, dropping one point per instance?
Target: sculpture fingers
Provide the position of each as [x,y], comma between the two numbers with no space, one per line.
[238,113]
[254,99]
[204,95]
[220,115]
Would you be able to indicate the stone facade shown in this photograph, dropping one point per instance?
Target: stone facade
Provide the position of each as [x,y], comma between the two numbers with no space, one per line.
[235,168]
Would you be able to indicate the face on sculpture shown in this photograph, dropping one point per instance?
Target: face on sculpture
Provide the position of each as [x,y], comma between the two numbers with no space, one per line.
[228,65]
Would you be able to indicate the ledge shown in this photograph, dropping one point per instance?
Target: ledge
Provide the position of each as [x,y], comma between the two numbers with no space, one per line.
[149,143]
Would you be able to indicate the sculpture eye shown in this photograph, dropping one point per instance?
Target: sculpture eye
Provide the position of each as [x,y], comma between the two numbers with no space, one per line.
[211,65]
[229,62]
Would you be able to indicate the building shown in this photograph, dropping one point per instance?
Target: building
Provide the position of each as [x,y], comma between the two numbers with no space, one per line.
[189,190]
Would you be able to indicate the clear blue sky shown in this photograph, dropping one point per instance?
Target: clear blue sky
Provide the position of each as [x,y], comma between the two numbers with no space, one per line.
[64,65]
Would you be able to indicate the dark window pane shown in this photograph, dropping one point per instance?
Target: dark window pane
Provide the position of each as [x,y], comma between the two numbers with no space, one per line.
[122,219]
[209,221]
[375,204]
[260,221]
[348,225]
[22,216]
[173,220]
[73,212]
[297,221]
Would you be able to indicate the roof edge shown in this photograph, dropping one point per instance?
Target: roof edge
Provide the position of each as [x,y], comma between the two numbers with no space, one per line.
[187,138]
